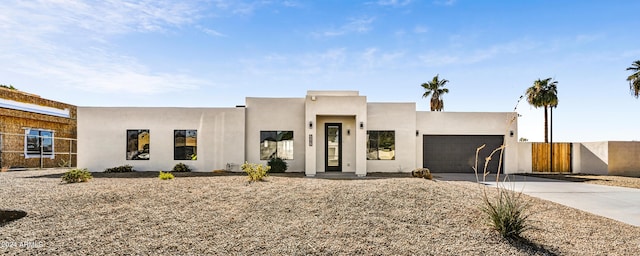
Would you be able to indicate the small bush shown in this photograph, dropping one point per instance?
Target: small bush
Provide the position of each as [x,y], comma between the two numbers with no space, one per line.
[256,172]
[277,165]
[507,214]
[123,168]
[76,175]
[165,176]
[180,167]
[422,173]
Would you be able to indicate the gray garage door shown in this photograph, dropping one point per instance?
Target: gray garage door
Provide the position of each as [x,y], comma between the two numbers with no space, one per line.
[456,153]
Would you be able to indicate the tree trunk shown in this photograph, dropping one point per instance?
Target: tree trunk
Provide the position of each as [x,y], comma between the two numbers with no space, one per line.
[546,126]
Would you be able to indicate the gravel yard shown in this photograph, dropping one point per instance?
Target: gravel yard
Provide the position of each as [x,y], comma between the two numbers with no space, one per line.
[286,215]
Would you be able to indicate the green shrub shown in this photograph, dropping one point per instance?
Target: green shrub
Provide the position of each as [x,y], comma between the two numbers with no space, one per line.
[256,172]
[507,213]
[277,165]
[122,168]
[76,175]
[180,167]
[165,176]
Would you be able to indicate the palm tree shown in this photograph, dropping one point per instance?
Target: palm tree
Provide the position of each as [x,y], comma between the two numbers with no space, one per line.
[634,79]
[543,93]
[436,89]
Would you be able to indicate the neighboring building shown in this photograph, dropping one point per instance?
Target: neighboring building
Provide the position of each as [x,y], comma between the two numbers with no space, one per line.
[322,132]
[35,132]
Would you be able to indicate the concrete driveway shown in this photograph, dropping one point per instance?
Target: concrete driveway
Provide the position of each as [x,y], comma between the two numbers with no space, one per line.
[618,203]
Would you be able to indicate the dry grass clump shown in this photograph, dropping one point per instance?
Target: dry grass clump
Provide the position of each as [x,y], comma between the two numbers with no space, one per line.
[507,212]
[422,173]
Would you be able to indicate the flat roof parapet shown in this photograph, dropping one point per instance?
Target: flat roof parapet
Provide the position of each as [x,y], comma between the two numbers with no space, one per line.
[333,93]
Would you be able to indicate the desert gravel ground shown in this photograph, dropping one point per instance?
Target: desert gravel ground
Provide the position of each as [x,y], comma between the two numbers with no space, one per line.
[286,215]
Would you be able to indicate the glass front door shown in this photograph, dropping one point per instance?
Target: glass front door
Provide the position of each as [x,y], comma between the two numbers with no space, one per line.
[333,146]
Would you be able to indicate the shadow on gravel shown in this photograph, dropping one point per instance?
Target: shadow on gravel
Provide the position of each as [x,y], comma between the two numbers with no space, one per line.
[564,177]
[7,216]
[343,176]
[128,175]
[329,176]
[528,247]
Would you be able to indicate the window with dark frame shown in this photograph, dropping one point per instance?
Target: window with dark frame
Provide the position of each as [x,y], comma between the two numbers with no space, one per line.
[381,145]
[185,145]
[38,143]
[138,143]
[276,144]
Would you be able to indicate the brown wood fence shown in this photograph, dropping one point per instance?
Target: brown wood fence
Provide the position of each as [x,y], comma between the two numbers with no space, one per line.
[540,157]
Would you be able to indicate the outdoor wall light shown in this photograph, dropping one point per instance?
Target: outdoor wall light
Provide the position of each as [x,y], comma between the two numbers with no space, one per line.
[417,133]
[310,124]
[348,132]
[510,133]
[361,125]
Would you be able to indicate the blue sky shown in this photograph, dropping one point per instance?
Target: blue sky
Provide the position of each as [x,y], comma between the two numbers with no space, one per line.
[214,53]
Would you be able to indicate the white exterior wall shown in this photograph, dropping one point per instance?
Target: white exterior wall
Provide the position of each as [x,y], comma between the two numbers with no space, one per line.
[276,114]
[607,158]
[590,157]
[102,136]
[401,118]
[232,135]
[525,162]
[321,106]
[471,123]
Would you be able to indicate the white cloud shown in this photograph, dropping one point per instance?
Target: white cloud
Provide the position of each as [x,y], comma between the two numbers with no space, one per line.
[372,58]
[98,71]
[211,32]
[67,42]
[445,2]
[420,29]
[462,56]
[359,25]
[394,3]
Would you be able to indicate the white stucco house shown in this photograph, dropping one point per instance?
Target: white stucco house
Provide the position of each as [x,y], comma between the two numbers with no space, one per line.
[325,131]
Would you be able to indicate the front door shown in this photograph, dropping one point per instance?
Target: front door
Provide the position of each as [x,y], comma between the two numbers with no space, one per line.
[333,147]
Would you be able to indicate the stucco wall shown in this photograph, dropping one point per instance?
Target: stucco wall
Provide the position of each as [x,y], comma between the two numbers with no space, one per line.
[624,158]
[590,157]
[471,123]
[102,136]
[401,118]
[318,107]
[524,157]
[276,114]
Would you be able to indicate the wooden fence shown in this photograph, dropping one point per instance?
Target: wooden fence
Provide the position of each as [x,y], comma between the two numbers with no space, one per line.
[541,161]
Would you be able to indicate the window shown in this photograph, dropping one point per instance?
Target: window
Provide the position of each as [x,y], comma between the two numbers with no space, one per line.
[381,145]
[276,144]
[138,145]
[185,145]
[38,143]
